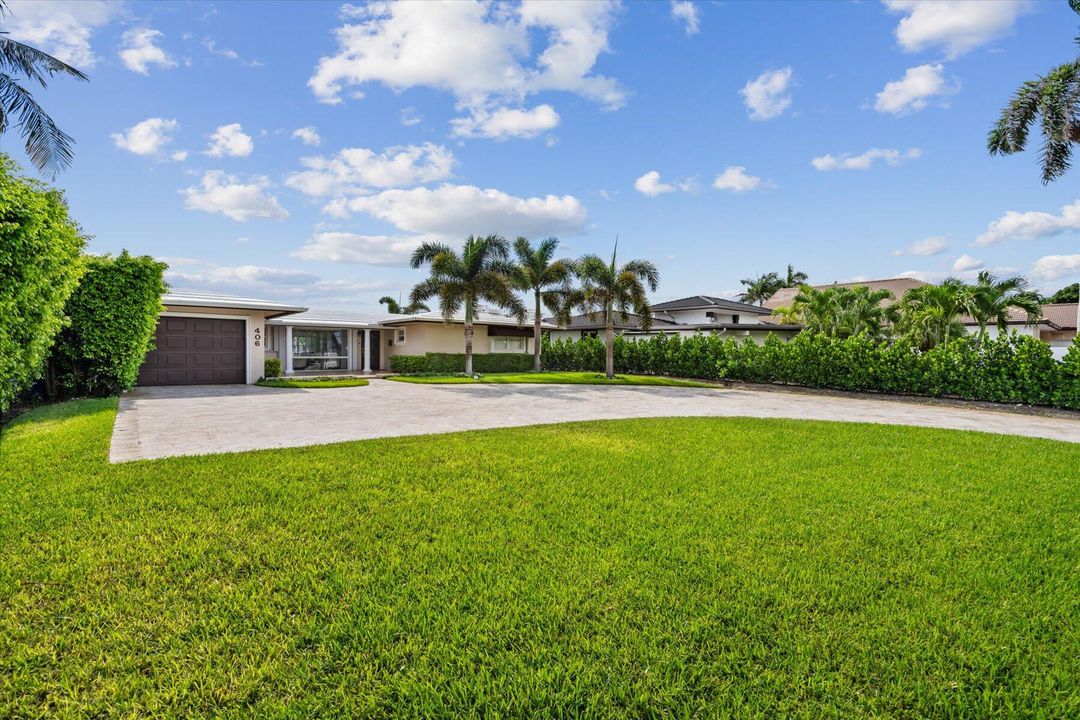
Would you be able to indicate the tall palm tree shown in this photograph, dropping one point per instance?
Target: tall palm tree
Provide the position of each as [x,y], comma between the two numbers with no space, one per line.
[610,288]
[548,280]
[990,300]
[794,278]
[760,289]
[47,146]
[395,308]
[1056,98]
[480,272]
[930,314]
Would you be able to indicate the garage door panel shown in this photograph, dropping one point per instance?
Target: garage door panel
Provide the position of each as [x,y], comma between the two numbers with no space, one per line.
[196,351]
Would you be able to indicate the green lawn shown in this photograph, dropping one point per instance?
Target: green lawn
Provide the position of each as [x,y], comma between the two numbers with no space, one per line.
[324,382]
[561,378]
[662,568]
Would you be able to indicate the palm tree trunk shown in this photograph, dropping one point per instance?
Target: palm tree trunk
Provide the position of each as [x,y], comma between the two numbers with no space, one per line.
[609,364]
[468,336]
[536,335]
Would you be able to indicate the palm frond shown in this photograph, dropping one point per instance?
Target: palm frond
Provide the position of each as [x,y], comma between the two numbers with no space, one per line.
[33,63]
[47,146]
[427,252]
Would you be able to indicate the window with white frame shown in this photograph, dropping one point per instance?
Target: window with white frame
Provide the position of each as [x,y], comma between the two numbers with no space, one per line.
[508,344]
[399,336]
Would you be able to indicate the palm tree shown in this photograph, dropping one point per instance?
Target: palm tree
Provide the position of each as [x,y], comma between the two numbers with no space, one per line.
[844,312]
[480,272]
[760,289]
[394,307]
[930,314]
[794,278]
[548,280]
[1056,98]
[47,146]
[609,288]
[990,300]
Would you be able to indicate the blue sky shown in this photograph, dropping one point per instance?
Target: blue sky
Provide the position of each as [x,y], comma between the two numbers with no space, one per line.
[719,139]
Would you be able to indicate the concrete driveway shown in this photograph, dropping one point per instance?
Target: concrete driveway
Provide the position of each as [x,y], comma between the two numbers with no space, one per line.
[196,420]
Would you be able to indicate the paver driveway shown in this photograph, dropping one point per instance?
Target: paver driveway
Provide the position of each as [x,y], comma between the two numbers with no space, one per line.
[159,422]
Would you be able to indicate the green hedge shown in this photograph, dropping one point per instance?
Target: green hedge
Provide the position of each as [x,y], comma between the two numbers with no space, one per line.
[1008,369]
[40,265]
[450,363]
[113,314]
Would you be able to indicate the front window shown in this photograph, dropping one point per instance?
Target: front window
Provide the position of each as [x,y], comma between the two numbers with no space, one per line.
[507,344]
[320,349]
[400,335]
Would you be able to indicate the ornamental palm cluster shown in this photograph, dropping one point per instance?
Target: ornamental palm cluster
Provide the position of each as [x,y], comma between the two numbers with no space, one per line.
[47,146]
[763,287]
[843,312]
[1055,98]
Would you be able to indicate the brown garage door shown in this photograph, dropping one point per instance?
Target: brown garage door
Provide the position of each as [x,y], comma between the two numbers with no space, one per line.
[195,351]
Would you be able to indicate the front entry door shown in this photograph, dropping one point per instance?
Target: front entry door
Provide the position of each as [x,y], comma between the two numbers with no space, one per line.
[374,348]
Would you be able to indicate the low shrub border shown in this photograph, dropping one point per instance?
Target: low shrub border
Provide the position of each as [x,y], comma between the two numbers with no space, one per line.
[312,382]
[450,363]
[1009,369]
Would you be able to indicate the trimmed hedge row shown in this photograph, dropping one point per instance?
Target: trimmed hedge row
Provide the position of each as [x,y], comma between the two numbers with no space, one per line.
[439,363]
[1008,369]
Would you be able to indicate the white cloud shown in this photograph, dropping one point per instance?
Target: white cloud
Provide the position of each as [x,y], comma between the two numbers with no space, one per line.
[734,178]
[148,137]
[965,263]
[458,210]
[352,170]
[686,12]
[480,52]
[364,249]
[228,196]
[307,135]
[649,184]
[930,246]
[180,155]
[847,161]
[272,282]
[1052,267]
[957,26]
[912,92]
[505,123]
[230,140]
[410,117]
[62,28]
[767,95]
[1031,225]
[212,47]
[138,51]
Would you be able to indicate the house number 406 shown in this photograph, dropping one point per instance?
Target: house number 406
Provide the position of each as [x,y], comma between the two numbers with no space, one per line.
[258,337]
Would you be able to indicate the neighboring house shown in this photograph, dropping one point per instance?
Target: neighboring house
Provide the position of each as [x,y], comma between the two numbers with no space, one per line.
[208,339]
[685,316]
[897,286]
[1057,327]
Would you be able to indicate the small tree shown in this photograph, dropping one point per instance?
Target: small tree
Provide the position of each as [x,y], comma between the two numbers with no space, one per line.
[609,288]
[990,299]
[549,281]
[40,265]
[930,314]
[113,314]
[761,288]
[394,307]
[480,272]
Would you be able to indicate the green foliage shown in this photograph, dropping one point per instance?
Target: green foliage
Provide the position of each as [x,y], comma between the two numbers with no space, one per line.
[272,367]
[40,266]
[650,568]
[113,314]
[1067,294]
[843,311]
[1007,369]
[549,378]
[449,363]
[313,382]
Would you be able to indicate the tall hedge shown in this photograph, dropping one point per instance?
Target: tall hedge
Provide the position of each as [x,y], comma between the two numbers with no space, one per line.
[40,265]
[113,313]
[1008,369]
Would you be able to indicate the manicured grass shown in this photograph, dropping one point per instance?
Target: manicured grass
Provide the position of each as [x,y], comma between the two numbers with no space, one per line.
[560,378]
[676,568]
[324,382]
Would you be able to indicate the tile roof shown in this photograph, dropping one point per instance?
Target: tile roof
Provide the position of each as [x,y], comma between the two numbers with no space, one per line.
[1061,314]
[706,301]
[897,286]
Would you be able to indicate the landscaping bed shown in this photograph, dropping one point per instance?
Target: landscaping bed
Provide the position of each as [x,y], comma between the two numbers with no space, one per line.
[558,378]
[314,382]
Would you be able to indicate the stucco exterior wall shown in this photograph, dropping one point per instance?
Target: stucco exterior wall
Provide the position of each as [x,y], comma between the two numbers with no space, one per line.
[425,337]
[255,331]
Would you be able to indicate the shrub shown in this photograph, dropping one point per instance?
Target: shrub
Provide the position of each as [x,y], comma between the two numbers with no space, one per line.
[40,265]
[1008,369]
[272,368]
[449,363]
[113,313]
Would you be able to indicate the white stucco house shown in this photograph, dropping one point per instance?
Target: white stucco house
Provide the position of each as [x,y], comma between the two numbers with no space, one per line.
[1056,327]
[205,338]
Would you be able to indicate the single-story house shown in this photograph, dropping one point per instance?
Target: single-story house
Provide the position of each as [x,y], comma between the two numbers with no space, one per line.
[685,316]
[1056,327]
[209,339]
